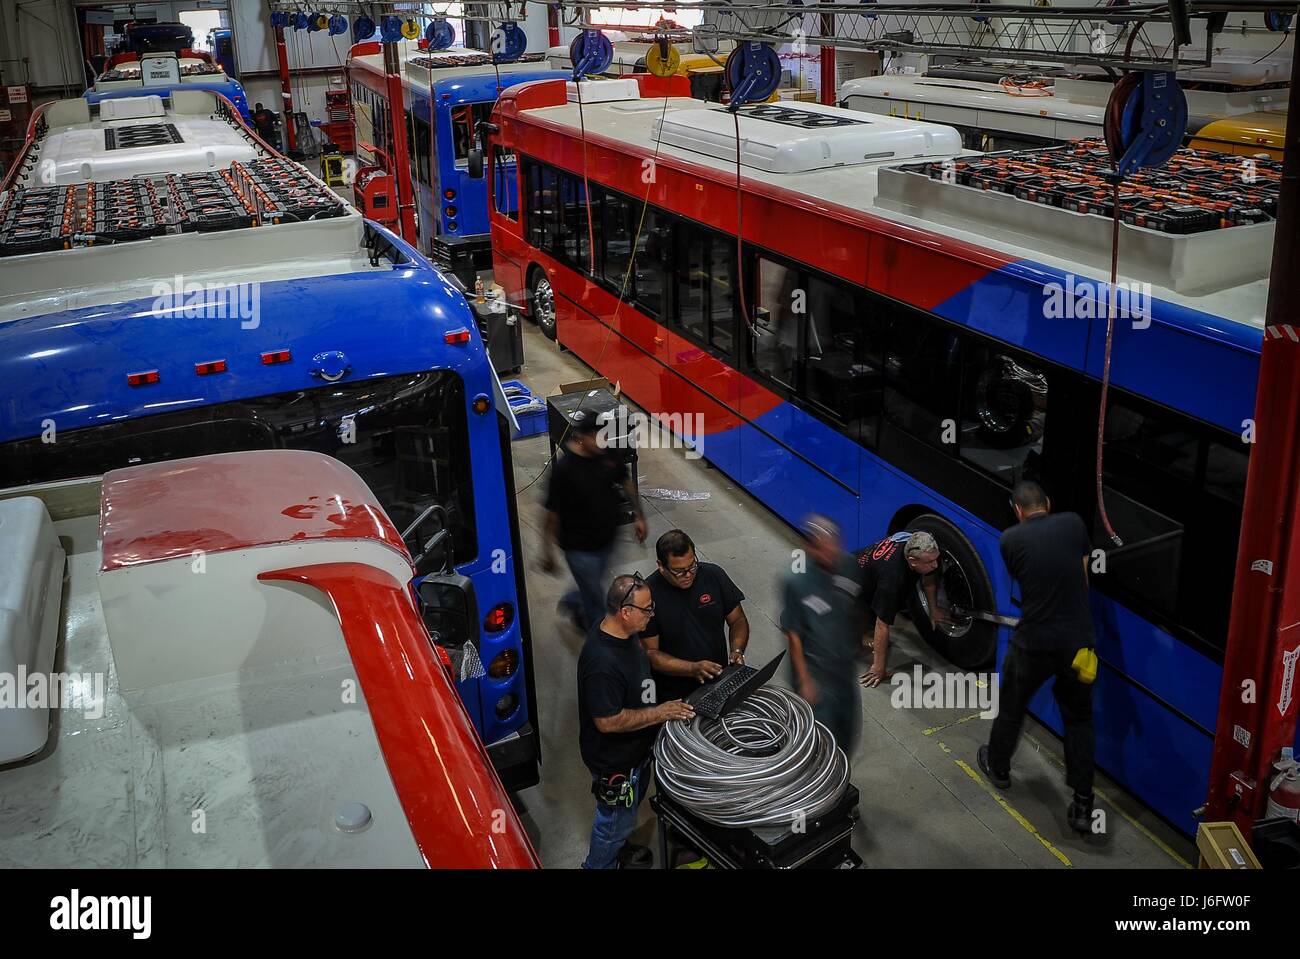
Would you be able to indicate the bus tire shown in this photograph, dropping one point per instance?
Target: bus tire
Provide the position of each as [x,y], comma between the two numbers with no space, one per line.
[966,643]
[541,301]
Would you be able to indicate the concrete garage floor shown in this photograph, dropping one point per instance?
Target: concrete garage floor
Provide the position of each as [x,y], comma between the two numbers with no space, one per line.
[924,802]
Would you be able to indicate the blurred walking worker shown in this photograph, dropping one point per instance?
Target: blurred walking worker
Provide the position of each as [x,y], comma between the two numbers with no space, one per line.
[584,505]
[1048,556]
[822,619]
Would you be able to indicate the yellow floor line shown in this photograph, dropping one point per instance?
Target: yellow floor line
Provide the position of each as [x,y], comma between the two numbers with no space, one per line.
[1011,810]
[965,719]
[1155,840]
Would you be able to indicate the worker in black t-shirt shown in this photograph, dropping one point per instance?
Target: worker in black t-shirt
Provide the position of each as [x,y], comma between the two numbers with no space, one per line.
[890,570]
[699,624]
[1048,556]
[584,504]
[618,718]
[264,123]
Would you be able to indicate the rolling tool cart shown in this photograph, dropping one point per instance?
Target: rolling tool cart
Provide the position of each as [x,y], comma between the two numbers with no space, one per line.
[595,401]
[825,843]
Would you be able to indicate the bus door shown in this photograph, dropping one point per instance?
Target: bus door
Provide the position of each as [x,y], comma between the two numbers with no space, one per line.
[464,211]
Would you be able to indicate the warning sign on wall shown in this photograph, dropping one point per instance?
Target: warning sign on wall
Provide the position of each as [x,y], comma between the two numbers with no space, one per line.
[17,94]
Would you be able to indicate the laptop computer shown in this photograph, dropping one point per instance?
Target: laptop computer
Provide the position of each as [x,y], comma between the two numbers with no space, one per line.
[731,688]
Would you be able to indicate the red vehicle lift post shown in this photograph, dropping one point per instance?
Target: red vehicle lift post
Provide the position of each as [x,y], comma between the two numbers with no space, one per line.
[1257,702]
[828,86]
[399,159]
[290,127]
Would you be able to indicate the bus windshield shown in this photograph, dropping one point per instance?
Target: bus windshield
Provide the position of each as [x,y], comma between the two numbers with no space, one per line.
[406,435]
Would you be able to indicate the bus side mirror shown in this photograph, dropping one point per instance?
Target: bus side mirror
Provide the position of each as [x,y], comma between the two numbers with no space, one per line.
[448,608]
[476,164]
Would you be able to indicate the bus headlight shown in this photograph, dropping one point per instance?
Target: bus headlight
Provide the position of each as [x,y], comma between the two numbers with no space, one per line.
[504,664]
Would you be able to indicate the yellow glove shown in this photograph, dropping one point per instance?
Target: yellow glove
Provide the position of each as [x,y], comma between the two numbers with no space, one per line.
[1085,664]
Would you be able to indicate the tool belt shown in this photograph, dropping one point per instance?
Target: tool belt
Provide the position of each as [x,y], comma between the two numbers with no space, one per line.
[615,789]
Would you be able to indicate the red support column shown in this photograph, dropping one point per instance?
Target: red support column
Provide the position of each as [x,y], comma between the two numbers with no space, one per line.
[400,160]
[553,25]
[1257,703]
[828,84]
[290,128]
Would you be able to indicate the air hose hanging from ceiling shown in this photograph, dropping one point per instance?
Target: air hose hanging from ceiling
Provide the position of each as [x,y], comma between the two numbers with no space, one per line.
[1144,124]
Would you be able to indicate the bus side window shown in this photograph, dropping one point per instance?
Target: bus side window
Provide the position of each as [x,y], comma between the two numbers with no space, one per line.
[834,377]
[776,322]
[573,223]
[532,202]
[619,224]
[503,181]
[922,378]
[1004,410]
[548,209]
[653,263]
[422,167]
[722,289]
[692,281]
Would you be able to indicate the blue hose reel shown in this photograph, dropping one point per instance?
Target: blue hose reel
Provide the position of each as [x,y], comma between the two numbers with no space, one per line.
[868,15]
[440,34]
[301,21]
[591,53]
[1278,22]
[390,29]
[753,73]
[279,19]
[338,24]
[508,43]
[363,28]
[1146,119]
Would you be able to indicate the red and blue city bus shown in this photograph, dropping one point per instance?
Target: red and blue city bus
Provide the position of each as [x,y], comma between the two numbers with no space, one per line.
[152,310]
[897,351]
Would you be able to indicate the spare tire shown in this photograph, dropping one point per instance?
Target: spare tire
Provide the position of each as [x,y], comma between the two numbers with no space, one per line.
[963,581]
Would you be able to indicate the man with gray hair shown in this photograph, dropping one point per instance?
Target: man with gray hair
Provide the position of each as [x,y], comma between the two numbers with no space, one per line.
[888,573]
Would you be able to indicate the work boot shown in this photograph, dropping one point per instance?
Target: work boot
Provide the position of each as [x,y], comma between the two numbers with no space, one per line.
[633,856]
[1001,780]
[1079,815]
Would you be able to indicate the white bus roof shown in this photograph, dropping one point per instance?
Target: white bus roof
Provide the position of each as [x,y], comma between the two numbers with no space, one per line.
[449,63]
[808,164]
[153,137]
[1075,108]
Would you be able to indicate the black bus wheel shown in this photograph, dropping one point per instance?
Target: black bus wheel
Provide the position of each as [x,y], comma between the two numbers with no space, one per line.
[541,297]
[964,582]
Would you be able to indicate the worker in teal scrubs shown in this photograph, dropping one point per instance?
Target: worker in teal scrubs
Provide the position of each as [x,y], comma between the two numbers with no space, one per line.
[822,619]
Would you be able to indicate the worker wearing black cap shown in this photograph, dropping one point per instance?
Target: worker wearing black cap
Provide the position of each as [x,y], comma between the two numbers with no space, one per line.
[584,506]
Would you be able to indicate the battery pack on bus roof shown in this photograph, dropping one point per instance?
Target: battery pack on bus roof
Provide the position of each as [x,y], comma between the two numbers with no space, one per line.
[1197,223]
[778,138]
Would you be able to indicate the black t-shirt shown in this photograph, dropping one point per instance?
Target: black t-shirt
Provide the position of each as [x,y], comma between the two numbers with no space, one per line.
[585,492]
[1045,556]
[613,675]
[691,623]
[886,579]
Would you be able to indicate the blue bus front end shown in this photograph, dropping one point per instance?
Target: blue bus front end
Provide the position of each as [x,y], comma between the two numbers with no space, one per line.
[232,90]
[381,367]
[453,204]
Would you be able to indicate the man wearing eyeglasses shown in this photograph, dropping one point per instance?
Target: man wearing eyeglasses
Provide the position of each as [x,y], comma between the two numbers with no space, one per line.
[890,570]
[618,718]
[699,624]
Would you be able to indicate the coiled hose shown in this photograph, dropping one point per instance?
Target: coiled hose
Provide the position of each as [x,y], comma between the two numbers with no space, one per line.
[766,763]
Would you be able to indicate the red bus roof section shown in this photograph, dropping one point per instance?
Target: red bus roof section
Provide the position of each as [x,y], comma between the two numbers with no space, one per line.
[231,501]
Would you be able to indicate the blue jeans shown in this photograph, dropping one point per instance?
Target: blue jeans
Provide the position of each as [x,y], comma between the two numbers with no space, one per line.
[614,824]
[588,569]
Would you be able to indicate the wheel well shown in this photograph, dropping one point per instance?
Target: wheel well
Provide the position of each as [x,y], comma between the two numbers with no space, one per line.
[529,275]
[906,514]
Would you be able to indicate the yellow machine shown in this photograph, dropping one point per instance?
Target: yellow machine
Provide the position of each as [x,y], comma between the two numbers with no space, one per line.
[1250,134]
[331,168]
